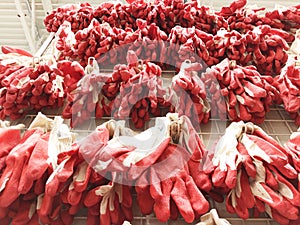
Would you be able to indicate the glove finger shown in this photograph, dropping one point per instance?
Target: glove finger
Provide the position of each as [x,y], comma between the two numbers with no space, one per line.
[277,216]
[201,179]
[44,208]
[94,210]
[162,204]
[218,177]
[230,179]
[180,196]
[74,209]
[216,196]
[198,201]
[92,219]
[91,198]
[34,219]
[288,171]
[39,186]
[144,198]
[155,186]
[82,177]
[260,205]
[25,183]
[174,213]
[229,206]
[105,217]
[66,218]
[246,195]
[126,196]
[247,161]
[115,213]
[270,179]
[241,209]
[74,197]
[68,170]
[127,212]
[3,212]
[10,193]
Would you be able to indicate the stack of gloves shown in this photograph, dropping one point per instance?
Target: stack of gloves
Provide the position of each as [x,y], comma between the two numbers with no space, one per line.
[257,173]
[241,93]
[28,83]
[139,160]
[136,90]
[288,82]
[47,176]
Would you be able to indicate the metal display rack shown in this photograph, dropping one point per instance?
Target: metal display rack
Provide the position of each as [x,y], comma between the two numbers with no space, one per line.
[277,124]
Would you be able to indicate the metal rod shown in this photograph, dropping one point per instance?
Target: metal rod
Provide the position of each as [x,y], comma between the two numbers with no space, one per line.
[25,26]
[45,45]
[33,20]
[47,5]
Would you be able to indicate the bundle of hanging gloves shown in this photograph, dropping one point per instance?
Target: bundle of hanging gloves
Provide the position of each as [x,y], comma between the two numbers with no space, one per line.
[257,173]
[288,82]
[30,83]
[138,89]
[48,175]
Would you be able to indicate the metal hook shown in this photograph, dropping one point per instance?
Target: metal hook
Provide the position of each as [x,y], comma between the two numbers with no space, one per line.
[91,60]
[188,61]
[35,61]
[249,128]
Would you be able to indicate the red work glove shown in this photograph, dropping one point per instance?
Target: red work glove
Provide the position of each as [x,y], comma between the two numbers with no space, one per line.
[63,171]
[29,175]
[288,84]
[10,136]
[14,164]
[184,192]
[192,142]
[132,153]
[42,158]
[144,199]
[89,146]
[191,93]
[116,203]
[25,213]
[292,147]
[263,147]
[226,157]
